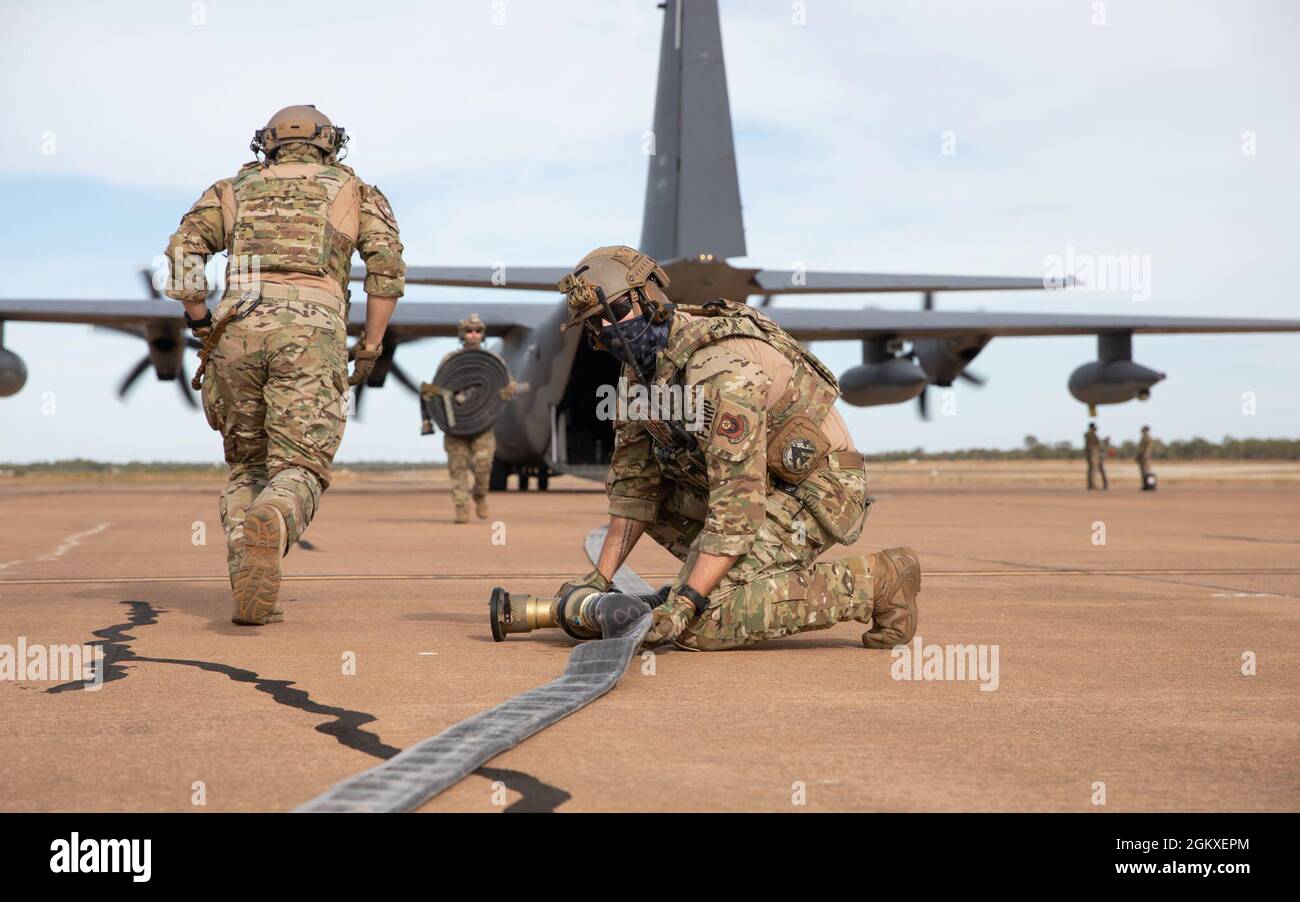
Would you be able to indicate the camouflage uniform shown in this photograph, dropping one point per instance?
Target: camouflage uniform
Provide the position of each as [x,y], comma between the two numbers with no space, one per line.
[465,454]
[1096,463]
[469,453]
[1144,455]
[276,383]
[718,498]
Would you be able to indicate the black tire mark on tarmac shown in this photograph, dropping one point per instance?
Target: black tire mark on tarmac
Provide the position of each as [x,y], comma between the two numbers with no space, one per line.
[345,727]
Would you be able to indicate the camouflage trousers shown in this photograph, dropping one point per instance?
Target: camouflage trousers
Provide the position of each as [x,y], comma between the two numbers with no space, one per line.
[276,389]
[778,588]
[1144,468]
[1097,466]
[465,454]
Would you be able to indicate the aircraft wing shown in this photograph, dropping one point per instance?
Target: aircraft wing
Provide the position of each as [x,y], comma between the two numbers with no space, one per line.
[418,319]
[427,319]
[753,281]
[839,325]
[525,278]
[89,312]
[773,281]
[412,319]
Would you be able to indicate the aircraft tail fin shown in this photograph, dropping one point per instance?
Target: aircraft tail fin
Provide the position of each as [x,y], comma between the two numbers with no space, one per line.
[692,203]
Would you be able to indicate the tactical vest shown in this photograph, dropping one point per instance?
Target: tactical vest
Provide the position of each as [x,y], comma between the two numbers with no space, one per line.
[796,444]
[283,223]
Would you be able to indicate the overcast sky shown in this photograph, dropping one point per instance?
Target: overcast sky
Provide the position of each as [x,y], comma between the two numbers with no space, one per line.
[512,131]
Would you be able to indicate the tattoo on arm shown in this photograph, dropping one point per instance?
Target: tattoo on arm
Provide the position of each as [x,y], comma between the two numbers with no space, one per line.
[625,544]
[619,542]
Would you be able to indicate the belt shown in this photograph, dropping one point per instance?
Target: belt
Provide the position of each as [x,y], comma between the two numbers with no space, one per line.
[847,460]
[283,292]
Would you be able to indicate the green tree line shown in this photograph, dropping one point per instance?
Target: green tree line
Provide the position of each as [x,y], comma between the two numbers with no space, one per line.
[1195,448]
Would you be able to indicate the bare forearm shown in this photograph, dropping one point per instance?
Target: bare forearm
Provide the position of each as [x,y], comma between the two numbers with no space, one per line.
[379,311]
[709,570]
[196,309]
[620,538]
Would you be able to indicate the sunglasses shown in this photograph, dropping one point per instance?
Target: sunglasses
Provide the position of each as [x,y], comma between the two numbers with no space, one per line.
[619,308]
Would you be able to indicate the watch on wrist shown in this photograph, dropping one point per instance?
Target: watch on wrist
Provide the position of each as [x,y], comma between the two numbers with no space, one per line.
[700,601]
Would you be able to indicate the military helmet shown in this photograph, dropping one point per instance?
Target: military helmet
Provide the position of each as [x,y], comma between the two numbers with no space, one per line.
[619,274]
[469,322]
[302,123]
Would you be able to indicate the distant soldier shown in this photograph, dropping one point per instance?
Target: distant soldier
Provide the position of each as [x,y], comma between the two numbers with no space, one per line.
[1145,446]
[275,354]
[1092,445]
[472,452]
[749,488]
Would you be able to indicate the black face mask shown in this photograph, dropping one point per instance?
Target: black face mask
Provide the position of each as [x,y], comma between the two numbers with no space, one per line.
[644,340]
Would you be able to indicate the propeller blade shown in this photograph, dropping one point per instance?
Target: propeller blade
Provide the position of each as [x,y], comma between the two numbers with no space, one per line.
[405,380]
[136,372]
[147,275]
[972,378]
[193,343]
[927,302]
[922,407]
[356,407]
[766,301]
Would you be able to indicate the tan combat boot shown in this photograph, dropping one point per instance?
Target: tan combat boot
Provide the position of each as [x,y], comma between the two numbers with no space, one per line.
[895,582]
[257,579]
[480,508]
[234,557]
[462,514]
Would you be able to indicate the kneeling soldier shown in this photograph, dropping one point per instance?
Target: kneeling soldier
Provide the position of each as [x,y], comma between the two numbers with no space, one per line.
[749,488]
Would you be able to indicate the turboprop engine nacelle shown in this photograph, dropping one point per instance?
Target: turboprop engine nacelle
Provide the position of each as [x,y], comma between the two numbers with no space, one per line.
[1113,378]
[945,359]
[166,347]
[882,378]
[13,372]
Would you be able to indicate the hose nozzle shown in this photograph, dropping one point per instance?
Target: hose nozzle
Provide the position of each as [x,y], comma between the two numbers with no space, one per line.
[512,612]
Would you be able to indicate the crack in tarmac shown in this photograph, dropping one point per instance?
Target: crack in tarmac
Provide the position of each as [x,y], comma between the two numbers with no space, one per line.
[1253,539]
[345,728]
[1146,575]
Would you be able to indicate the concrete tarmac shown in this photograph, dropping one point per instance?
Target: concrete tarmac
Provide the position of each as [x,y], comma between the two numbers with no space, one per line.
[1119,670]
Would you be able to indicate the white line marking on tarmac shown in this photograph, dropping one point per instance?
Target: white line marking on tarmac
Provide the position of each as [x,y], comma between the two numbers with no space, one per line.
[427,653]
[67,545]
[1243,595]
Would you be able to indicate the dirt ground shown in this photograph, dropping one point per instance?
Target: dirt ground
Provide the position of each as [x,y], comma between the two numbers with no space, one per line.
[1148,653]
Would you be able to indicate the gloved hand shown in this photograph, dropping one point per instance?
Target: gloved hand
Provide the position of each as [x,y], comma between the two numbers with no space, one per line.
[364,361]
[594,579]
[430,390]
[669,620]
[509,391]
